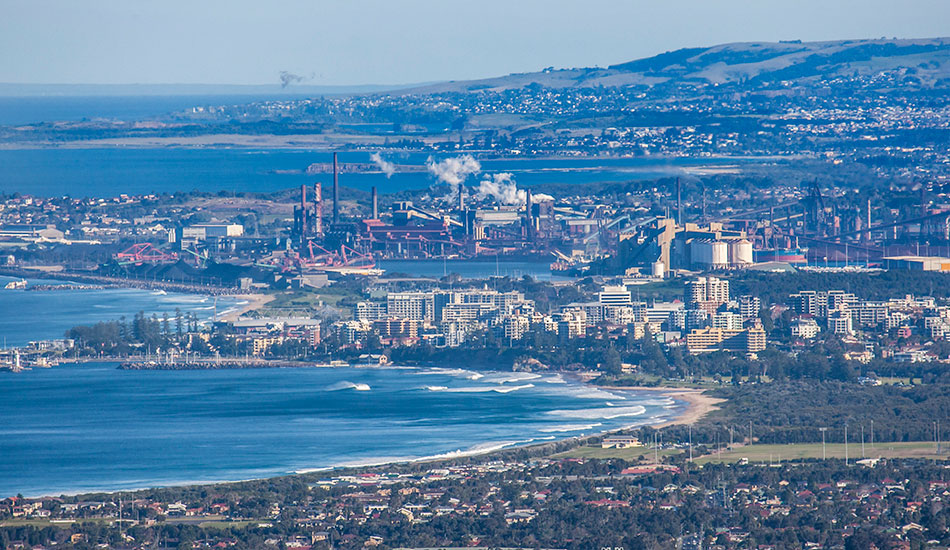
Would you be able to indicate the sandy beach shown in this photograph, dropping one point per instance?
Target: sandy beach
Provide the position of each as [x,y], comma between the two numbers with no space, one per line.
[254,301]
[698,404]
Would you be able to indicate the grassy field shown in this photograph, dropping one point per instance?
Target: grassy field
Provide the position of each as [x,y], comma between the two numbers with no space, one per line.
[705,382]
[773,453]
[304,300]
[632,454]
[227,524]
[40,523]
[892,380]
[768,453]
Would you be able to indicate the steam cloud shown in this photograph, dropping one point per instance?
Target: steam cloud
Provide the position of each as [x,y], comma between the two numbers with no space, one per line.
[385,166]
[502,187]
[453,171]
[288,78]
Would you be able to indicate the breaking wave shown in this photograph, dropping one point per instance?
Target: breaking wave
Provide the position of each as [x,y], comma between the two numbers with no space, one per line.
[347,385]
[570,428]
[606,413]
[480,389]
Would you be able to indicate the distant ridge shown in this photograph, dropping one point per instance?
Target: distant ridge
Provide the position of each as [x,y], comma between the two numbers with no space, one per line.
[925,61]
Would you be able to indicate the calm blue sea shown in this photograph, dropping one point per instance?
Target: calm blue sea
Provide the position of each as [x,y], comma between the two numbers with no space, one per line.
[41,315]
[114,171]
[110,172]
[78,428]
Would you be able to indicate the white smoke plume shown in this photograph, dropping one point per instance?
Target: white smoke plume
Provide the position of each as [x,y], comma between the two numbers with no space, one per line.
[453,171]
[502,187]
[385,166]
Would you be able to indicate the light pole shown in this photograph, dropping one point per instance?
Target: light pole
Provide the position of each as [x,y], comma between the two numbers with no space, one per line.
[846,444]
[690,430]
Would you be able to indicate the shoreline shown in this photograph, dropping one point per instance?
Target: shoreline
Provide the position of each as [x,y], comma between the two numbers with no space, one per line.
[254,302]
[697,406]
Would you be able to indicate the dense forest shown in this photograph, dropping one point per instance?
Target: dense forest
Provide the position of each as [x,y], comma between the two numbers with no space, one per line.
[793,412]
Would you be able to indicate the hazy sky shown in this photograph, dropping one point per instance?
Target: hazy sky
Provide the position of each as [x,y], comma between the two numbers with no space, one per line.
[404,41]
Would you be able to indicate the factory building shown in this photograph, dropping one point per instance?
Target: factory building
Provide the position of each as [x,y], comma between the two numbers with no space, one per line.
[918,263]
[662,242]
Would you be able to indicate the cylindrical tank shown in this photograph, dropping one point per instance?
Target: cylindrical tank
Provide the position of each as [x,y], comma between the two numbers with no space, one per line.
[741,252]
[720,254]
[658,269]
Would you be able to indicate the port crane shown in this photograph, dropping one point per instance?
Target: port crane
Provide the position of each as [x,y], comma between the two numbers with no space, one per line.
[144,252]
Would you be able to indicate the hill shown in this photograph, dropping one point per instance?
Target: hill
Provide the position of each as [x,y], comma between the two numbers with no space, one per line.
[925,62]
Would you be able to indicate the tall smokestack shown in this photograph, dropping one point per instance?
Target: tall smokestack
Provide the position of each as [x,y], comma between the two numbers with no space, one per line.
[375,204]
[679,203]
[317,209]
[869,221]
[528,217]
[303,210]
[461,200]
[336,192]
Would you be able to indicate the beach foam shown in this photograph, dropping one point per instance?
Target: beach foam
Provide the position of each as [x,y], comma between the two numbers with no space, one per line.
[570,428]
[606,413]
[480,389]
[347,385]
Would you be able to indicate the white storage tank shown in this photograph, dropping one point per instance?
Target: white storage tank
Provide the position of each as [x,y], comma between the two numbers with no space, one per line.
[741,252]
[709,253]
[720,254]
[658,269]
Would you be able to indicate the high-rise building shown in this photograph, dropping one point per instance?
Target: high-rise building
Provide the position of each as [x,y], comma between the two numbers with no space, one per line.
[707,293]
[749,306]
[614,296]
[416,306]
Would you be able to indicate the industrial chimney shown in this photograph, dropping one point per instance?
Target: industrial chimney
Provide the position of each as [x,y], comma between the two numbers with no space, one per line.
[317,209]
[303,210]
[375,204]
[336,192]
[529,218]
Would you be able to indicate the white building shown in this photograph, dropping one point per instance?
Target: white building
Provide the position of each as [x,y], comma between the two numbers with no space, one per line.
[370,311]
[571,324]
[516,327]
[614,296]
[805,328]
[839,322]
[415,306]
[727,320]
[749,306]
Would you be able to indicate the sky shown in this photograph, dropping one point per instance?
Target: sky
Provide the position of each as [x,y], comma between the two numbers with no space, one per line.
[350,42]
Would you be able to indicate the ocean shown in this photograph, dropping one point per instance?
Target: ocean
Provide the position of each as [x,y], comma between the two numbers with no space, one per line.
[92,427]
[50,313]
[109,172]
